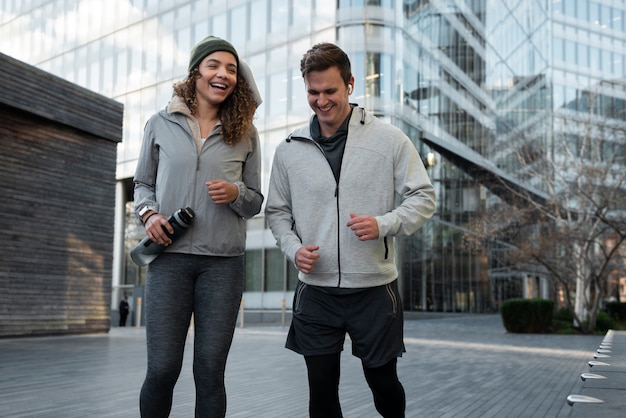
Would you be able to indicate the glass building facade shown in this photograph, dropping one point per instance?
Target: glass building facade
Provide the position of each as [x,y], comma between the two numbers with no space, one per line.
[464,75]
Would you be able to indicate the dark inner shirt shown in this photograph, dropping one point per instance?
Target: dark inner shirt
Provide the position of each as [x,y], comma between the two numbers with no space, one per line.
[334,145]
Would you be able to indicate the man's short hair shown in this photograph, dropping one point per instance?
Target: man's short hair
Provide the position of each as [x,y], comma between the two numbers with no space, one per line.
[323,56]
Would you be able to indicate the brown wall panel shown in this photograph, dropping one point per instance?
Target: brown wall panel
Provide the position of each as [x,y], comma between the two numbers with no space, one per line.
[57,198]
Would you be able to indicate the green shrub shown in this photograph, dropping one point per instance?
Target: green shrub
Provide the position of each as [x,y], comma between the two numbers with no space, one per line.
[604,322]
[564,315]
[562,322]
[527,315]
[617,311]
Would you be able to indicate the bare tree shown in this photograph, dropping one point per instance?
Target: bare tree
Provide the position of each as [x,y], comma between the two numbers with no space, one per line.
[574,234]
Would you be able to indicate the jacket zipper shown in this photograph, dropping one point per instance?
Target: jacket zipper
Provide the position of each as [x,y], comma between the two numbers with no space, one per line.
[338,236]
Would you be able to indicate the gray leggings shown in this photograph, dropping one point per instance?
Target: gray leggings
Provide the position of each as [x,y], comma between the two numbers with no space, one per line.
[177,286]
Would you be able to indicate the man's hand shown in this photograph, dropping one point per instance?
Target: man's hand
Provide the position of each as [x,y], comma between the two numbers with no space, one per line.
[306,258]
[364,227]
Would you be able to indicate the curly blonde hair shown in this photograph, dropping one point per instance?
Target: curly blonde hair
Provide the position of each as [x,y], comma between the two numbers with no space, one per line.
[236,112]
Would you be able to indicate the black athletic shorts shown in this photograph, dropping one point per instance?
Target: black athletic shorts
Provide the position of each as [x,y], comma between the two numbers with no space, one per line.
[372,318]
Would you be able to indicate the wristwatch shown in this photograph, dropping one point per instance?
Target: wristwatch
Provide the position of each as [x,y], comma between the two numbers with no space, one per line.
[144,210]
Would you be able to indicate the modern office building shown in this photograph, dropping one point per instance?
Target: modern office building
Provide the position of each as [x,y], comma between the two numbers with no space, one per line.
[460,77]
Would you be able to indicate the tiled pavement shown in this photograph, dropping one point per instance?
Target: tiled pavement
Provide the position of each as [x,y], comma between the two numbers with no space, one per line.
[455,366]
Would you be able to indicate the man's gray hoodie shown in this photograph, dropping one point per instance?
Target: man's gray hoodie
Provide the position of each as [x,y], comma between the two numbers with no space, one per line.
[306,205]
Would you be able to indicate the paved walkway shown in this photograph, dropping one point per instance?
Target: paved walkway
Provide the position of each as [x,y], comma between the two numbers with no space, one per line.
[455,366]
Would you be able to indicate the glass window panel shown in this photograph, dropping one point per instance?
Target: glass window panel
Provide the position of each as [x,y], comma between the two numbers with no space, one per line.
[201,8]
[605,60]
[594,58]
[108,75]
[257,64]
[277,102]
[372,74]
[94,68]
[254,271]
[55,66]
[68,70]
[570,52]
[258,19]
[559,49]
[172,61]
[571,101]
[274,270]
[358,71]
[183,39]
[301,17]
[616,64]
[557,6]
[617,20]
[324,14]
[387,77]
[183,16]
[151,6]
[70,29]
[48,28]
[219,24]
[164,25]
[163,94]
[279,16]
[581,8]
[583,55]
[122,71]
[605,16]
[261,110]
[594,12]
[292,276]
[351,37]
[298,100]
[200,31]
[151,55]
[136,58]
[238,26]
[344,4]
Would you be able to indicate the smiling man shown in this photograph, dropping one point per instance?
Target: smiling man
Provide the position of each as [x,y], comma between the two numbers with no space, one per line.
[332,209]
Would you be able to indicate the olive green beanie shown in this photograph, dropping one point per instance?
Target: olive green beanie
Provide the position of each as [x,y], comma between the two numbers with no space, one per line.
[207,46]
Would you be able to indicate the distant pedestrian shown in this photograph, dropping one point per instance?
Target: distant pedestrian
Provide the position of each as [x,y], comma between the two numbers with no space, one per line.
[332,209]
[124,309]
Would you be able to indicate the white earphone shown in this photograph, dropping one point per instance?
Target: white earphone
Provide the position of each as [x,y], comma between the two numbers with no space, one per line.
[349,88]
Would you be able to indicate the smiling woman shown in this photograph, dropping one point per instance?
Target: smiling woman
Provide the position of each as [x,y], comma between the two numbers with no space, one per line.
[201,152]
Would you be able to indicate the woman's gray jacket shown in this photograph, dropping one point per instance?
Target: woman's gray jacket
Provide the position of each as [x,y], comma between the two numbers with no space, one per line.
[171,174]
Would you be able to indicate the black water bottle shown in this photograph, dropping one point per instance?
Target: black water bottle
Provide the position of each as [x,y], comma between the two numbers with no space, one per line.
[147,250]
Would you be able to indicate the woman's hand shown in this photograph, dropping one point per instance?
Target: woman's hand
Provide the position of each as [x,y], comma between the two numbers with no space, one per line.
[222,192]
[156,225]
